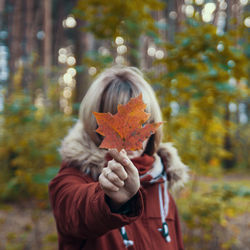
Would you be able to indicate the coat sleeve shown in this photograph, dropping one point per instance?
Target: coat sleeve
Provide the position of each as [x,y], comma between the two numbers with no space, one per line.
[80,208]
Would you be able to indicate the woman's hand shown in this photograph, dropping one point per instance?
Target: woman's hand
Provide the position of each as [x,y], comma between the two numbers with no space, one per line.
[120,179]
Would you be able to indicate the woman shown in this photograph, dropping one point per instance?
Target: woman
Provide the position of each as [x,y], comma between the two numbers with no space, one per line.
[116,200]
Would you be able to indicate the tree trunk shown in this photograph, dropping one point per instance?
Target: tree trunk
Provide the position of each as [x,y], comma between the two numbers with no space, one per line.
[58,39]
[145,62]
[15,42]
[81,47]
[180,15]
[2,4]
[229,14]
[47,46]
[30,35]
[29,26]
[171,6]
[229,162]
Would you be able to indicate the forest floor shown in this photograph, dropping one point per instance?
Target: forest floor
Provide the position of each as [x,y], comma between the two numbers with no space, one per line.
[24,226]
[234,235]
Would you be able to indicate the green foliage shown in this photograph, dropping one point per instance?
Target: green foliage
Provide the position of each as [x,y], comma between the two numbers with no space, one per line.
[241,145]
[106,19]
[202,73]
[51,238]
[46,176]
[29,138]
[200,67]
[129,19]
[207,216]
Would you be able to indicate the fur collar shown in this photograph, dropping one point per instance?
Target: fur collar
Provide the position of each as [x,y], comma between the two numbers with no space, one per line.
[79,149]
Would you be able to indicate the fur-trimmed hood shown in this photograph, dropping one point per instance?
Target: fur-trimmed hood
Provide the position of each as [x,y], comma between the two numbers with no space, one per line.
[79,149]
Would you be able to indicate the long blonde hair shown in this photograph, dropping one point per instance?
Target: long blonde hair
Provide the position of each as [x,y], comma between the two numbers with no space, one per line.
[116,85]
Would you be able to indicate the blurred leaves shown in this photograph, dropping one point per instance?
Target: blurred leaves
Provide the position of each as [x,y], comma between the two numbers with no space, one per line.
[29,138]
[207,215]
[129,19]
[106,19]
[203,75]
[44,178]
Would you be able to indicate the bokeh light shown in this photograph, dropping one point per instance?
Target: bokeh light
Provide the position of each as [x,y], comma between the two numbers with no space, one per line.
[69,22]
[71,61]
[67,92]
[173,15]
[199,2]
[67,78]
[40,35]
[119,40]
[207,12]
[122,49]
[231,63]
[223,5]
[120,60]
[62,58]
[244,2]
[103,51]
[189,10]
[220,47]
[159,54]
[188,1]
[92,71]
[151,51]
[62,51]
[247,22]
[71,71]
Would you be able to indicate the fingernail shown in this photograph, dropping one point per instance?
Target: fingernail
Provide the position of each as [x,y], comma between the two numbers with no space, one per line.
[123,151]
[112,150]
[125,161]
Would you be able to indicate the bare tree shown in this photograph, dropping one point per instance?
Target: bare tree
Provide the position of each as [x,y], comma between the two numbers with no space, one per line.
[15,40]
[2,4]
[58,38]
[47,44]
[30,32]
[81,47]
[30,40]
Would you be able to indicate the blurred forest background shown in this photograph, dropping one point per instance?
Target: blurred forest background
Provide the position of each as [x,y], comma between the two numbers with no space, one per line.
[195,53]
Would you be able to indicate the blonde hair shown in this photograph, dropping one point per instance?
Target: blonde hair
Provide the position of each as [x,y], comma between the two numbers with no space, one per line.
[116,85]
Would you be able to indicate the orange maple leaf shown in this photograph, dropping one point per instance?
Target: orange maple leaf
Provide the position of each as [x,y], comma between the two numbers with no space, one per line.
[125,129]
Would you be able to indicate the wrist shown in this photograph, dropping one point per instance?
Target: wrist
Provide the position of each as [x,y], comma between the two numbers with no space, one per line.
[113,205]
[121,208]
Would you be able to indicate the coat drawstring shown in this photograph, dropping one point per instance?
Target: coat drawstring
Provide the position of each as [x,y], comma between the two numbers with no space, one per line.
[126,241]
[164,210]
[164,213]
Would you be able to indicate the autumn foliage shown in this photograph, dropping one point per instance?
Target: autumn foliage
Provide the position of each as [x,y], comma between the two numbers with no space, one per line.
[125,129]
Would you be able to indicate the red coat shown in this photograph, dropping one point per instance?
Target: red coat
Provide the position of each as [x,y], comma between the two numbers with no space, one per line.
[85,221]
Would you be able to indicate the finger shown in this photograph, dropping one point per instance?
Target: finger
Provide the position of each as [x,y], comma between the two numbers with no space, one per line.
[123,159]
[114,179]
[118,169]
[106,171]
[106,185]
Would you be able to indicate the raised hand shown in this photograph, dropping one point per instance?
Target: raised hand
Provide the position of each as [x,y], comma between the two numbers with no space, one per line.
[120,179]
